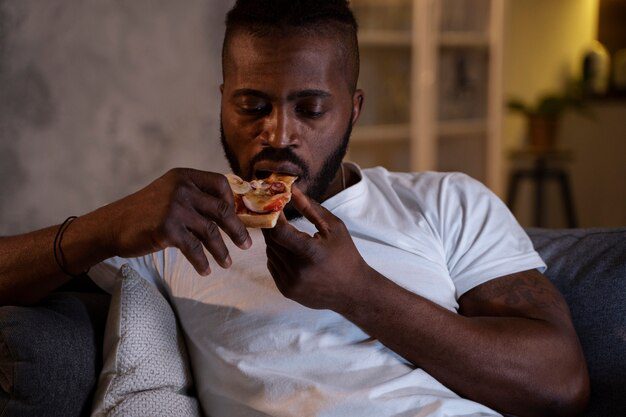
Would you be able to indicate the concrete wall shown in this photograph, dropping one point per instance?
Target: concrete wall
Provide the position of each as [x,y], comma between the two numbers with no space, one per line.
[98,98]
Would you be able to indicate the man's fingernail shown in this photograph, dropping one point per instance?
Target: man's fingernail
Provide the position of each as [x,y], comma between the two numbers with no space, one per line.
[207,271]
[228,262]
[247,243]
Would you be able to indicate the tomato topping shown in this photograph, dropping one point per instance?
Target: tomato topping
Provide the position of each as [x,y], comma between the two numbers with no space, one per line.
[239,206]
[275,205]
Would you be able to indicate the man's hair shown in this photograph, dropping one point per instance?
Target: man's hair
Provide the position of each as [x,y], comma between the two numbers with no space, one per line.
[313,18]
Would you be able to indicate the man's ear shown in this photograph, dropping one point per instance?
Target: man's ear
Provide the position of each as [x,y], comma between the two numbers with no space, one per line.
[357,105]
[222,88]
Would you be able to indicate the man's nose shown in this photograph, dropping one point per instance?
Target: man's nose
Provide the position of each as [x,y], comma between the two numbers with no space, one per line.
[281,129]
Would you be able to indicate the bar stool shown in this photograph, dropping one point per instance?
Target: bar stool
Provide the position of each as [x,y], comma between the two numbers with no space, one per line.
[540,172]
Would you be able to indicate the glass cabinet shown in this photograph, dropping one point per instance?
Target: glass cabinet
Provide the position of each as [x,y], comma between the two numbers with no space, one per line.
[432,75]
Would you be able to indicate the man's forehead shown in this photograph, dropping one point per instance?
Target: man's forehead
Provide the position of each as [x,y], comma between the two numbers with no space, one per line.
[294,62]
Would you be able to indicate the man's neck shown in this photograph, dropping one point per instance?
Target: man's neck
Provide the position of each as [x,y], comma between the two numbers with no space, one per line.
[343,179]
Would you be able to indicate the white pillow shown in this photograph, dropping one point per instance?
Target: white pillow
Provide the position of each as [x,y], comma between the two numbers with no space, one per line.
[146,370]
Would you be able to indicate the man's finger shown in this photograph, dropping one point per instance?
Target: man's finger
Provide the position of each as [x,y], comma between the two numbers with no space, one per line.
[279,266]
[280,257]
[276,274]
[313,211]
[191,247]
[287,236]
[222,213]
[210,183]
[208,233]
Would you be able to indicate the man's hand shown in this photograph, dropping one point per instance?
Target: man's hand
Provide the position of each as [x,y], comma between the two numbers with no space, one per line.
[322,271]
[183,208]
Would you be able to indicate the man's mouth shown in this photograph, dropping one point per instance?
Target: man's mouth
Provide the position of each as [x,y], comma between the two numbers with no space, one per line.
[264,169]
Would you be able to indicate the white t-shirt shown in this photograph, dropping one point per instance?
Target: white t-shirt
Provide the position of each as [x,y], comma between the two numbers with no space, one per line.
[256,353]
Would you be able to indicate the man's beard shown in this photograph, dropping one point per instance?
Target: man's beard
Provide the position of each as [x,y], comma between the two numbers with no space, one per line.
[318,185]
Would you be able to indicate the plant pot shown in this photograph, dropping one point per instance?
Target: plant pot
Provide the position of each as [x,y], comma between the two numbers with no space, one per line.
[542,132]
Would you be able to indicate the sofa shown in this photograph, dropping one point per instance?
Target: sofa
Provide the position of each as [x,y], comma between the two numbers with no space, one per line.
[51,353]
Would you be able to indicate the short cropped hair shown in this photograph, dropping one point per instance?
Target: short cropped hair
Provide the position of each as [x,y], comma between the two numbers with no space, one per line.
[329,18]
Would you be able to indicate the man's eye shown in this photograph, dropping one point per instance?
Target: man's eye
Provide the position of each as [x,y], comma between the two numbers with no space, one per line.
[254,109]
[310,113]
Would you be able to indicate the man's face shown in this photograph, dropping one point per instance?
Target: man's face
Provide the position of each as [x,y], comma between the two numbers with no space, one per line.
[287,107]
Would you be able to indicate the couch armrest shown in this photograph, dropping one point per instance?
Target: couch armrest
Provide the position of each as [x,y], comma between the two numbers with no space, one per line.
[589,267]
[51,354]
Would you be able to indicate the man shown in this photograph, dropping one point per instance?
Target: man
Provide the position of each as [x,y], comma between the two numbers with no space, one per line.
[400,294]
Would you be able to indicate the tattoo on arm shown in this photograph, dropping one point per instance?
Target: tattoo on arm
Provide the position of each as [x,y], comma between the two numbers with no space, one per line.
[528,293]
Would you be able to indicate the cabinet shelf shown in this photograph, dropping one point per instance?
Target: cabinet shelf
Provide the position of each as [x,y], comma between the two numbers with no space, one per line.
[381,133]
[398,38]
[451,39]
[402,132]
[462,127]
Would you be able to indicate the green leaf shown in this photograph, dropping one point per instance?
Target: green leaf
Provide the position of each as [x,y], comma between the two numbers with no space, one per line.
[551,105]
[516,105]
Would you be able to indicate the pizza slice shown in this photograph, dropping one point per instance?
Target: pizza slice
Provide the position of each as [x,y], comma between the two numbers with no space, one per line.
[258,203]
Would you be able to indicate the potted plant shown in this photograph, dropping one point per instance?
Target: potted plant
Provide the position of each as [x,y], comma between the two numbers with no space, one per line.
[543,117]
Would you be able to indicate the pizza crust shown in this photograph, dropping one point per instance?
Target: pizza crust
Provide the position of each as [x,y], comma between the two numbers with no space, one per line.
[260,221]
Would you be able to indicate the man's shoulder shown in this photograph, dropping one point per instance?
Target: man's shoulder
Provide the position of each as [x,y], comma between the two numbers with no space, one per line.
[437,197]
[424,184]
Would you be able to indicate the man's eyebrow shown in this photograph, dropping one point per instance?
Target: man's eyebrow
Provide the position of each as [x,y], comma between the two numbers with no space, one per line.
[250,92]
[308,93]
[292,96]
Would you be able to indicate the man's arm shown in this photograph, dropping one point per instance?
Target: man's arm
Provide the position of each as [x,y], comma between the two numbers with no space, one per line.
[512,348]
[184,209]
[28,270]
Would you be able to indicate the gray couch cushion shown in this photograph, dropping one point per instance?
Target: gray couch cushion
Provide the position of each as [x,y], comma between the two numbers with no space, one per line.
[589,268]
[50,355]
